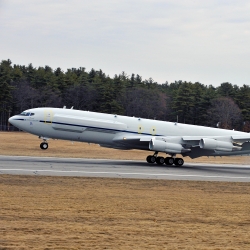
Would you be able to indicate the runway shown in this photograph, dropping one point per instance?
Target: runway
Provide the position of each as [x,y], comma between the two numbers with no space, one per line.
[51,166]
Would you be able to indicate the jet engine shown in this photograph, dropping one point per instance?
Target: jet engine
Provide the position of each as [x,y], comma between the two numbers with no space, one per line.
[213,144]
[162,146]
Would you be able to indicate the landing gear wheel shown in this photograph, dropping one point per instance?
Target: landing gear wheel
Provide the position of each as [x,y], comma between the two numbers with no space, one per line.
[148,158]
[169,161]
[178,161]
[159,160]
[151,159]
[44,145]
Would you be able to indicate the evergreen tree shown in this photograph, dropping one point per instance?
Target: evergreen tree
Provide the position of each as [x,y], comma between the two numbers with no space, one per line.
[226,89]
[60,80]
[196,110]
[122,94]
[209,94]
[5,85]
[183,103]
[83,78]
[243,100]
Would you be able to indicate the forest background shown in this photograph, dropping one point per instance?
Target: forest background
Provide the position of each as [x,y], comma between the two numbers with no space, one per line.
[23,87]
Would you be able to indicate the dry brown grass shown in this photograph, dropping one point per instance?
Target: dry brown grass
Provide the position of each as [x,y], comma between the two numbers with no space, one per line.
[101,213]
[98,213]
[20,143]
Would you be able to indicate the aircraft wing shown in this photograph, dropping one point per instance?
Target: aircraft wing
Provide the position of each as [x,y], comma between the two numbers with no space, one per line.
[240,138]
[181,144]
[233,138]
[169,144]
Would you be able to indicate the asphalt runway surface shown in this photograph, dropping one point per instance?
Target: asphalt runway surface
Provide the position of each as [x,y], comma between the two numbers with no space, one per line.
[51,166]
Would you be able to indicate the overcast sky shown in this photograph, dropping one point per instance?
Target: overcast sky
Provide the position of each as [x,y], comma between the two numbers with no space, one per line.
[168,40]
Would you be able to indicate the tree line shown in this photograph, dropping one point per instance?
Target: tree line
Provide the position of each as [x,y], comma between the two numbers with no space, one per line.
[23,87]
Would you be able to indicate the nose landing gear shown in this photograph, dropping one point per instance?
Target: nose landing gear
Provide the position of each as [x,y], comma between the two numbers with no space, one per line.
[44,145]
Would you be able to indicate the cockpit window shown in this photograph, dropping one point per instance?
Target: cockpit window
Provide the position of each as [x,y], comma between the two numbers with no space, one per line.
[27,114]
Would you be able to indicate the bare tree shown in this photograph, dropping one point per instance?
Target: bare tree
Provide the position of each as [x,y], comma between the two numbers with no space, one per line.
[81,97]
[224,113]
[24,95]
[145,103]
[49,98]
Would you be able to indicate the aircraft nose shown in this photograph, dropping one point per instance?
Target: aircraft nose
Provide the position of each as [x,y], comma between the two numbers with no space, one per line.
[12,120]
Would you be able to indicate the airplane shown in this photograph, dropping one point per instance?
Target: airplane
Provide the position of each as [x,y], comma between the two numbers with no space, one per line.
[123,132]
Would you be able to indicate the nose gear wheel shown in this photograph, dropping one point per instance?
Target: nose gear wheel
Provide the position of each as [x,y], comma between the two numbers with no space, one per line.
[44,145]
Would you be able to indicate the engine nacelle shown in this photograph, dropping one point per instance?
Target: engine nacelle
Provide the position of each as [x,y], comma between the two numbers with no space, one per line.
[162,146]
[213,144]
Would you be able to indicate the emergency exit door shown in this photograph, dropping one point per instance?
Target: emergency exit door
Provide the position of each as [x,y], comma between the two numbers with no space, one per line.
[48,116]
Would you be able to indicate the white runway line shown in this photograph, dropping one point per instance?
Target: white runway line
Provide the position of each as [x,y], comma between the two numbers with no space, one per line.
[118,173]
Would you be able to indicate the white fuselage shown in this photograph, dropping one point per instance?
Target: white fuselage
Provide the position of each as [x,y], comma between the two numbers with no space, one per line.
[107,129]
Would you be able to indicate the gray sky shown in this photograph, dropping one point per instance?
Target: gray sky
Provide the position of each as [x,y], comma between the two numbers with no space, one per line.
[168,40]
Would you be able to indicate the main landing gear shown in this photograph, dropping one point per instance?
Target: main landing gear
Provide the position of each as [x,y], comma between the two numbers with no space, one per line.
[161,160]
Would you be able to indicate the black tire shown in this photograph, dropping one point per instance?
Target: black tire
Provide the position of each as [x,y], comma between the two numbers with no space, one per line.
[178,161]
[160,160]
[148,159]
[169,161]
[44,145]
[151,159]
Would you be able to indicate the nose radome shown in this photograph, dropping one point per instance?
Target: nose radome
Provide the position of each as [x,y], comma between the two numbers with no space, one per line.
[10,119]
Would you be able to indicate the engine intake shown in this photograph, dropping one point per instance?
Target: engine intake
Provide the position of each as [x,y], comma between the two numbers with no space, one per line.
[162,146]
[212,144]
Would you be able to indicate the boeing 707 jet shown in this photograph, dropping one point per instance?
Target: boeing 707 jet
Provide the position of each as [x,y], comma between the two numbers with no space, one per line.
[123,132]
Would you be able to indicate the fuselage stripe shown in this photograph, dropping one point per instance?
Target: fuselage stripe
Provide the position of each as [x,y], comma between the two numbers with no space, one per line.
[99,128]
